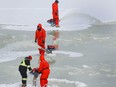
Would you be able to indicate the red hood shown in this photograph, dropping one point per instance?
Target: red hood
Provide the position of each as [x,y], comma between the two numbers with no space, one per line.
[40,25]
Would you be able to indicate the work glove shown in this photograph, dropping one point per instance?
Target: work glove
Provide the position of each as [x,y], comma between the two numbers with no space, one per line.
[31,72]
[35,41]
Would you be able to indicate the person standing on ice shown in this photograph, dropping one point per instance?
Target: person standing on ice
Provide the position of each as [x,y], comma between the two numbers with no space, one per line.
[40,37]
[24,65]
[55,13]
[44,70]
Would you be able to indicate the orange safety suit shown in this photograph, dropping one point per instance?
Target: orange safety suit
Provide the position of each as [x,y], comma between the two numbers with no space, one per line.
[55,13]
[44,70]
[40,36]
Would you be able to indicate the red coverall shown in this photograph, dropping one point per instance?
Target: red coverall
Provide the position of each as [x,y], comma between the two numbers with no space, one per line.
[40,36]
[44,70]
[55,13]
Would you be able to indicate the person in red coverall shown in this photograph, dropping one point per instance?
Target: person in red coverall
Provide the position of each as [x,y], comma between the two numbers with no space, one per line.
[44,70]
[40,36]
[55,13]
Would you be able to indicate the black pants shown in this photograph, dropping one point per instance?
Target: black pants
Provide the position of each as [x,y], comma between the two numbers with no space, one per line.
[23,72]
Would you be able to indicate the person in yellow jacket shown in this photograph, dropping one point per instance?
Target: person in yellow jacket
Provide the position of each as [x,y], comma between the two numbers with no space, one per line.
[24,65]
